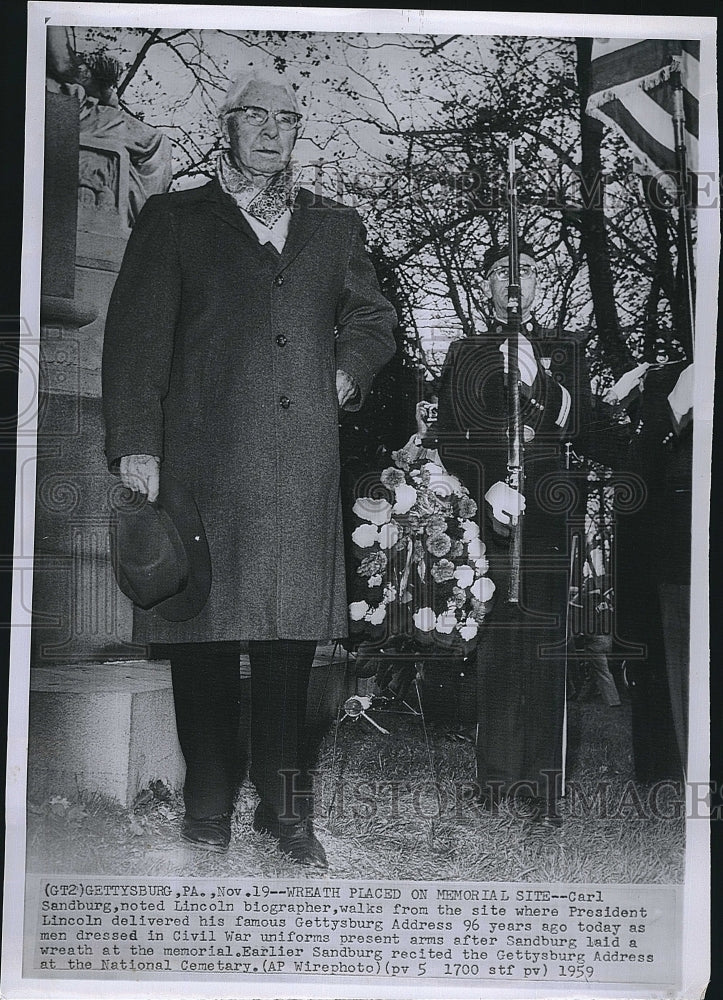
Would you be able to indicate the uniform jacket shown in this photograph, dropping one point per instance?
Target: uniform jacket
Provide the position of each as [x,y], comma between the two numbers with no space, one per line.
[220,356]
[472,420]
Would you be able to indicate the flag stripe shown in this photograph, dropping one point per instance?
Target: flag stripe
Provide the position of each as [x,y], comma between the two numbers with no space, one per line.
[662,94]
[641,59]
[655,153]
[632,90]
[690,77]
[654,119]
[601,46]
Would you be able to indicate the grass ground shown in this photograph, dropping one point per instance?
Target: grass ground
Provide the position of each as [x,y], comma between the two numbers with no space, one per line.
[381,817]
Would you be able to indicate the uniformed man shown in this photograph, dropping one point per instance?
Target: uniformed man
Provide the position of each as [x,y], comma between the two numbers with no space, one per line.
[521,653]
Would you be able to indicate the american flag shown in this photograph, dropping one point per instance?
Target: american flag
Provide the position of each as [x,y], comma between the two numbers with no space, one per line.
[632,91]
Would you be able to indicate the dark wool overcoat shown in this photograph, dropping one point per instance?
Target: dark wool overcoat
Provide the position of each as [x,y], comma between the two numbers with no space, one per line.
[521,655]
[220,356]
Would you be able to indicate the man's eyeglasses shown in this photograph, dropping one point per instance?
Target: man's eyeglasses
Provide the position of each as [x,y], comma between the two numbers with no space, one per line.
[526,271]
[251,115]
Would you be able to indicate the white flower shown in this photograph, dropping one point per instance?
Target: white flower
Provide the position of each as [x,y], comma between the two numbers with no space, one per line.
[442,482]
[483,589]
[357,610]
[374,581]
[470,530]
[388,535]
[365,535]
[376,511]
[444,485]
[389,593]
[482,565]
[377,616]
[446,622]
[469,629]
[425,619]
[406,497]
[464,575]
[476,548]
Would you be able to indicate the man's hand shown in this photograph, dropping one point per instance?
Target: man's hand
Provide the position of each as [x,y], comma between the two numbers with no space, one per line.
[505,505]
[346,387]
[142,474]
[680,400]
[526,360]
[627,384]
[423,413]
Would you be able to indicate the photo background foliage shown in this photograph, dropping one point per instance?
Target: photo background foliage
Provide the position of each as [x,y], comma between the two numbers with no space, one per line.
[413,130]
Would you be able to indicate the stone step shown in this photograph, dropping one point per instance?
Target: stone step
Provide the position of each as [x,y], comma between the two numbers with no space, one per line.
[110,728]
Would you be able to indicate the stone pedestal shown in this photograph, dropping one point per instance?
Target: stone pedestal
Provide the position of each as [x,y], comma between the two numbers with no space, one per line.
[106,728]
[79,614]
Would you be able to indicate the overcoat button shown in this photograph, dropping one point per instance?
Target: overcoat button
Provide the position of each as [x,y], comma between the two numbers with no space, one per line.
[279,279]
[285,402]
[281,340]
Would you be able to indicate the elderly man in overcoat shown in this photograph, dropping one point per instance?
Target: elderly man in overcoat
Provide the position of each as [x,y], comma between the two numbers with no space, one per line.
[246,312]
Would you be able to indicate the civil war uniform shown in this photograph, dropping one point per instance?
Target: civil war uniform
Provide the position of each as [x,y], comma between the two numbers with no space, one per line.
[653,586]
[521,659]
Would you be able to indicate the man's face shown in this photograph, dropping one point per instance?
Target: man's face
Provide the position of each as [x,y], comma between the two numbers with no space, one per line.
[262,149]
[498,280]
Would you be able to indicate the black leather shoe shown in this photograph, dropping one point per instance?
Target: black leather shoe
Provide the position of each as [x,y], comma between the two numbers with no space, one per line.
[297,840]
[266,821]
[211,833]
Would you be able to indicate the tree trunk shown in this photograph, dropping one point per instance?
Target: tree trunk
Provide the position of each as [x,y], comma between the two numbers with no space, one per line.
[593,229]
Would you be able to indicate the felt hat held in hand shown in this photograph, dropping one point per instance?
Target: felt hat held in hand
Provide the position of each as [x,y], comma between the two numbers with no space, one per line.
[160,552]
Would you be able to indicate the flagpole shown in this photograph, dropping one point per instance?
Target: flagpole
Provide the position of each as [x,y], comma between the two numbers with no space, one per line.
[685,237]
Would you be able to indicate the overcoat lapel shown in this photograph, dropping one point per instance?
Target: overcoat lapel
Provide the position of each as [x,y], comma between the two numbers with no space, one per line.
[228,211]
[304,223]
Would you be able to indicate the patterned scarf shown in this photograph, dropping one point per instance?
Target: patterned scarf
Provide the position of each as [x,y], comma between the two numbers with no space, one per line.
[267,205]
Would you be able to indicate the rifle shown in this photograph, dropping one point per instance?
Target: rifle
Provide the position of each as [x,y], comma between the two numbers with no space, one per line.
[515,457]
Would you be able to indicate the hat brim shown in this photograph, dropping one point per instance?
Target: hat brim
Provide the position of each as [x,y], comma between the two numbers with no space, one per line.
[181,507]
[175,519]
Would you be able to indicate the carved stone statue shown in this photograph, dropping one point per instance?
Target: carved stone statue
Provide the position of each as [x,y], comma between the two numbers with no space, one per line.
[94,79]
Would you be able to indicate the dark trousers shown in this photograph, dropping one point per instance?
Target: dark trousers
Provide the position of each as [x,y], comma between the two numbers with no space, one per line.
[206,693]
[521,681]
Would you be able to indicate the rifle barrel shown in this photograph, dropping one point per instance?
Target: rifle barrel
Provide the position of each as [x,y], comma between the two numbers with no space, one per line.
[515,463]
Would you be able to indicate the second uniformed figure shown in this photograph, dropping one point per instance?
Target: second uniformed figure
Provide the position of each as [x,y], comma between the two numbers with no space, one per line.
[521,655]
[245,313]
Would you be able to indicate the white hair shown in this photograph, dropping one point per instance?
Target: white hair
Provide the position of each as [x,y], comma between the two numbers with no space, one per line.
[241,83]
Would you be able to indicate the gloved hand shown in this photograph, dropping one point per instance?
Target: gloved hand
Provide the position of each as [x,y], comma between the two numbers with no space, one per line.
[505,505]
[526,360]
[680,400]
[142,474]
[626,384]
